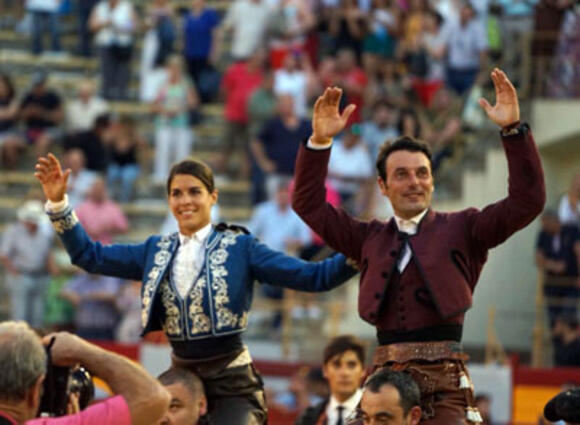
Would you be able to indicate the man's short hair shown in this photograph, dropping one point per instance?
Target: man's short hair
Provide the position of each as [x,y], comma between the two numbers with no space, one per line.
[22,359]
[403,143]
[402,382]
[342,344]
[189,379]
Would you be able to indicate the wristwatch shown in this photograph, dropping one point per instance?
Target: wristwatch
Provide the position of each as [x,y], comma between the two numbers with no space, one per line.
[513,129]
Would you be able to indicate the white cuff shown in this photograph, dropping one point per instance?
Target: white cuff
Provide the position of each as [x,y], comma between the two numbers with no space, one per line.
[56,207]
[317,147]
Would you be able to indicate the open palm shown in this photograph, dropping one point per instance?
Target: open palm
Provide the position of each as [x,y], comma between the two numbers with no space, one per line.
[327,121]
[49,173]
[506,110]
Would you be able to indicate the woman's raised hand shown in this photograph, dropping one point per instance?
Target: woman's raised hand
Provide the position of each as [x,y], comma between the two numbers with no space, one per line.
[49,173]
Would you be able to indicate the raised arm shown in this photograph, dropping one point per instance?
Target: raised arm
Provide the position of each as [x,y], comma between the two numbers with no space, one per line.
[124,261]
[526,188]
[276,268]
[341,231]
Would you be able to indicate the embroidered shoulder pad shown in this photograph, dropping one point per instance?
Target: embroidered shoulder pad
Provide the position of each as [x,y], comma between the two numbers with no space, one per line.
[222,227]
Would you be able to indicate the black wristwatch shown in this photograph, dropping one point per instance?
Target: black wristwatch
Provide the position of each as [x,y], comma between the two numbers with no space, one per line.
[513,129]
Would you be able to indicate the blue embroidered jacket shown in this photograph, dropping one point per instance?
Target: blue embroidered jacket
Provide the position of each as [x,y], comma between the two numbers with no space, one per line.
[219,301]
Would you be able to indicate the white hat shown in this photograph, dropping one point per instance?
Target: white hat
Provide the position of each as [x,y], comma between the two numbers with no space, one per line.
[31,212]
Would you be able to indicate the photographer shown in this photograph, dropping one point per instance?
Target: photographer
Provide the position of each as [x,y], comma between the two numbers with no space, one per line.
[139,399]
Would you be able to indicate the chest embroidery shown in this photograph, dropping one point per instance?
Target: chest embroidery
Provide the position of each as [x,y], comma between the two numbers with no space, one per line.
[160,263]
[200,322]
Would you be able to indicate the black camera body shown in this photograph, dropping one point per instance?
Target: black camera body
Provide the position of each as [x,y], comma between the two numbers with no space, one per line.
[59,383]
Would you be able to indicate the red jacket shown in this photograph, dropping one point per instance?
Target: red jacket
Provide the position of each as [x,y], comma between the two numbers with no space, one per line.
[449,249]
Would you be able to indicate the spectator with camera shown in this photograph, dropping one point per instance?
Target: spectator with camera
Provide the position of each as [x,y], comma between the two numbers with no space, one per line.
[139,399]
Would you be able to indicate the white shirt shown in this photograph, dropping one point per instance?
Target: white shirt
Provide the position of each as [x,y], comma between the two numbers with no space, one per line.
[349,406]
[81,116]
[43,5]
[352,163]
[294,84]
[122,25]
[566,214]
[189,259]
[464,44]
[248,21]
[409,227]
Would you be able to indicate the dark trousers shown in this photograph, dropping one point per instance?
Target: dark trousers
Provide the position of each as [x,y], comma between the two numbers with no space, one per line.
[85,8]
[461,80]
[45,23]
[115,75]
[235,395]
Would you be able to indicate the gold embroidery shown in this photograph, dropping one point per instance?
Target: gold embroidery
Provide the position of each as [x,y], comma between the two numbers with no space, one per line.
[160,261]
[172,325]
[200,322]
[66,222]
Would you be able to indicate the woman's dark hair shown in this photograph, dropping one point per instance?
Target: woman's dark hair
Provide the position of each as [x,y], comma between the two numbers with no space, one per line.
[194,168]
[403,143]
[9,86]
[342,344]
[409,112]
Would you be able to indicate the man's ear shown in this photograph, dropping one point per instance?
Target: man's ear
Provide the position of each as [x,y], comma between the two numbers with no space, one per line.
[414,415]
[382,186]
[34,395]
[202,406]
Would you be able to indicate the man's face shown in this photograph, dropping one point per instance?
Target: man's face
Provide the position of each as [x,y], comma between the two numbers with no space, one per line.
[344,373]
[409,184]
[384,408]
[185,408]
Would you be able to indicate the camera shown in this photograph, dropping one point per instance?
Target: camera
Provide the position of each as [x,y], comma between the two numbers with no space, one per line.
[59,383]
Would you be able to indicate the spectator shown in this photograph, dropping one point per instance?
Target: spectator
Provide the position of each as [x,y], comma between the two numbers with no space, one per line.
[188,402]
[277,225]
[566,341]
[352,79]
[565,78]
[123,167]
[409,124]
[84,10]
[93,297]
[11,143]
[129,307]
[276,146]
[157,46]
[239,83]
[381,40]
[80,179]
[298,79]
[248,22]
[173,135]
[441,125]
[346,26]
[391,397]
[466,50]
[344,359]
[261,108]
[82,112]
[558,255]
[114,22]
[350,170]
[381,127]
[93,143]
[200,30]
[44,20]
[27,270]
[102,218]
[569,208]
[42,113]
[291,20]
[139,399]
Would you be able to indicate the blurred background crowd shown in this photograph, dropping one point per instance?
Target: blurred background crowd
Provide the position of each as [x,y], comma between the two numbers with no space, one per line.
[121,89]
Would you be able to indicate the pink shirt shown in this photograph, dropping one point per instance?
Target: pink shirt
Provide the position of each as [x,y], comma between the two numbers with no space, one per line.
[239,84]
[102,221]
[113,411]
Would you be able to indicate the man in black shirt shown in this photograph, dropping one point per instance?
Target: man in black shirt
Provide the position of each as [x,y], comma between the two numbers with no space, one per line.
[93,143]
[566,341]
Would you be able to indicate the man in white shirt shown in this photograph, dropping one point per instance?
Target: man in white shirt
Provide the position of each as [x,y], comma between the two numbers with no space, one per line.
[344,370]
[82,112]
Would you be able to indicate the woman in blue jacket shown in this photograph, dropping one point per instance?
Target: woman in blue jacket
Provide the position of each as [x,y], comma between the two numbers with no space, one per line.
[197,283]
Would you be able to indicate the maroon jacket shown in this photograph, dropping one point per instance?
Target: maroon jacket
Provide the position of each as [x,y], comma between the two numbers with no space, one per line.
[449,249]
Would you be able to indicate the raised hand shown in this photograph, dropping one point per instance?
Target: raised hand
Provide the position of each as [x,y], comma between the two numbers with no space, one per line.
[506,110]
[49,173]
[327,122]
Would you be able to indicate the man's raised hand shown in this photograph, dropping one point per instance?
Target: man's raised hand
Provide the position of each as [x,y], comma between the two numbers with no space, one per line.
[49,173]
[506,110]
[327,121]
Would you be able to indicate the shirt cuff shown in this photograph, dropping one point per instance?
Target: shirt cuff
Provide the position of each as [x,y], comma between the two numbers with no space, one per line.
[317,147]
[56,207]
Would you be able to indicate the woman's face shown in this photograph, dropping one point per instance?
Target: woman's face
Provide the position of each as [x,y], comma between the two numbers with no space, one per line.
[190,203]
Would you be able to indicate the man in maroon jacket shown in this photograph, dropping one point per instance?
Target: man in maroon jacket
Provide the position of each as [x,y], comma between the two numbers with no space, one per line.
[419,269]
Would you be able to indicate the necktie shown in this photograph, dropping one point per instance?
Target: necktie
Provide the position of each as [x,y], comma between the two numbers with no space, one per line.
[339,420]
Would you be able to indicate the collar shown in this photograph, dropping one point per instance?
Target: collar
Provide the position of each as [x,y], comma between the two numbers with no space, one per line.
[6,417]
[349,405]
[403,224]
[199,236]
